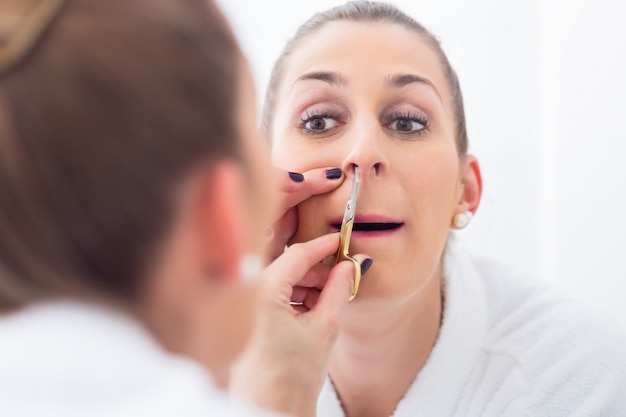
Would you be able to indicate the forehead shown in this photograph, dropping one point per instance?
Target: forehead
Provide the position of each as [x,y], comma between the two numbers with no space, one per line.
[367,51]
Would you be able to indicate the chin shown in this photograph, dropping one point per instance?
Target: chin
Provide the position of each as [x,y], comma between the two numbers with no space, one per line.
[372,294]
[392,280]
[377,286]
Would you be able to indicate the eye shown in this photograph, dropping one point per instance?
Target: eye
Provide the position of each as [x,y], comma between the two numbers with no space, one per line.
[318,122]
[408,123]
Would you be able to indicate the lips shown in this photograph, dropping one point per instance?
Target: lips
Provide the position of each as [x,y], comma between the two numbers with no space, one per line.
[372,225]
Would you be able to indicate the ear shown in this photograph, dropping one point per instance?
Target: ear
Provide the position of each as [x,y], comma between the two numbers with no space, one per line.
[219,219]
[471,184]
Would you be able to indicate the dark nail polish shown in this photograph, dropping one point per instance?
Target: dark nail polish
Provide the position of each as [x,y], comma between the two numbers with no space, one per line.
[333,174]
[365,265]
[296,177]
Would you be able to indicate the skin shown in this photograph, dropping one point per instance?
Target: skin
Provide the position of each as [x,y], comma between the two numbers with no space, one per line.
[384,107]
[247,334]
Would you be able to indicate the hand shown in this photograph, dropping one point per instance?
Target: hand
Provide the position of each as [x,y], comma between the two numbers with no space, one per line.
[294,189]
[285,362]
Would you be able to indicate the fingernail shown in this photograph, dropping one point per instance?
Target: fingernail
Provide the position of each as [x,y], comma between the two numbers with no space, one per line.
[296,176]
[333,174]
[365,265]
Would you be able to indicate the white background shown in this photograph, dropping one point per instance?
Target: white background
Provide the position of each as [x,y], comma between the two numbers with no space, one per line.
[544,83]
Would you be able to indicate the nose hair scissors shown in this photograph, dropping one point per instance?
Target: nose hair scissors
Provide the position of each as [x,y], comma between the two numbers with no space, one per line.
[346,232]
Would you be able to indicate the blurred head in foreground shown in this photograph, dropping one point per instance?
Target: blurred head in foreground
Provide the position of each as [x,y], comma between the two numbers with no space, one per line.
[128,165]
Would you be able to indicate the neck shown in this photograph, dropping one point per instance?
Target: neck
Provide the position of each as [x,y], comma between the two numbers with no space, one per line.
[384,344]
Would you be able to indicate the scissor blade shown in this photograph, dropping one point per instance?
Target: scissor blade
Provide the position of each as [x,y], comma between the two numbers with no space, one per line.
[348,215]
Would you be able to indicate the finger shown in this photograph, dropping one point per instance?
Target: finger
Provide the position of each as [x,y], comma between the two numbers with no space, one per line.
[289,181]
[305,296]
[282,231]
[294,181]
[300,308]
[338,290]
[315,181]
[315,277]
[314,280]
[292,266]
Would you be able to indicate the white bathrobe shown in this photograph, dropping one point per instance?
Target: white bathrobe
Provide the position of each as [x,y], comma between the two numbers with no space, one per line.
[512,346]
[73,360]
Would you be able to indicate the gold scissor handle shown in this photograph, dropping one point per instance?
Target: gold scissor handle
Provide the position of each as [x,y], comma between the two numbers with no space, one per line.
[342,255]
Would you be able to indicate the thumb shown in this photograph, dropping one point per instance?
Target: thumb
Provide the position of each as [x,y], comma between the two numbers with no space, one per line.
[338,289]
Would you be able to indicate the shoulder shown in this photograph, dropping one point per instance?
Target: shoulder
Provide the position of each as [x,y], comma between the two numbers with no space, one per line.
[572,357]
[77,358]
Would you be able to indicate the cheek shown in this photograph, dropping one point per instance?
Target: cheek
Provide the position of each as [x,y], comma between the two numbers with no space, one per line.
[431,181]
[284,148]
[294,152]
[280,156]
[312,221]
[299,157]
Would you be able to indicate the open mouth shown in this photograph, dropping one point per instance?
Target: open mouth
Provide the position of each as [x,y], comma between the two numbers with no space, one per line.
[371,227]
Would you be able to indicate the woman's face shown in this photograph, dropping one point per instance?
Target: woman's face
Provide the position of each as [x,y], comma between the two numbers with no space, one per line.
[373,95]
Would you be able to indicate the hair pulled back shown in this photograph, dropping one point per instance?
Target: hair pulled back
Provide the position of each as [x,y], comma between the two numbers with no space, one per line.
[367,12]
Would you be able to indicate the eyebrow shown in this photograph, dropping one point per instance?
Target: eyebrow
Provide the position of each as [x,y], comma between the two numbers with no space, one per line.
[333,78]
[392,81]
[401,80]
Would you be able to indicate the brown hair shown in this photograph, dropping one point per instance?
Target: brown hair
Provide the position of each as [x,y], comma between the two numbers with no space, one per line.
[100,121]
[366,11]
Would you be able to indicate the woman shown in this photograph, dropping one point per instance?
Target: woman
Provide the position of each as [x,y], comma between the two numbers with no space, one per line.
[434,330]
[131,186]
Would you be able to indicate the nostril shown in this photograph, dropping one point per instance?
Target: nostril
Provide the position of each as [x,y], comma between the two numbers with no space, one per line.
[377,167]
[355,168]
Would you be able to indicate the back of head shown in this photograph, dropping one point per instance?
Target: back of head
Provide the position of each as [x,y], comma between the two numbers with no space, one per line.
[105,106]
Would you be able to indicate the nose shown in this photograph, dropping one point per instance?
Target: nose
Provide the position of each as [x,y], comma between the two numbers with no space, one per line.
[366,150]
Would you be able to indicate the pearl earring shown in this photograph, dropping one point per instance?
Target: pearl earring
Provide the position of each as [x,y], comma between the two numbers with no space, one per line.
[462,219]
